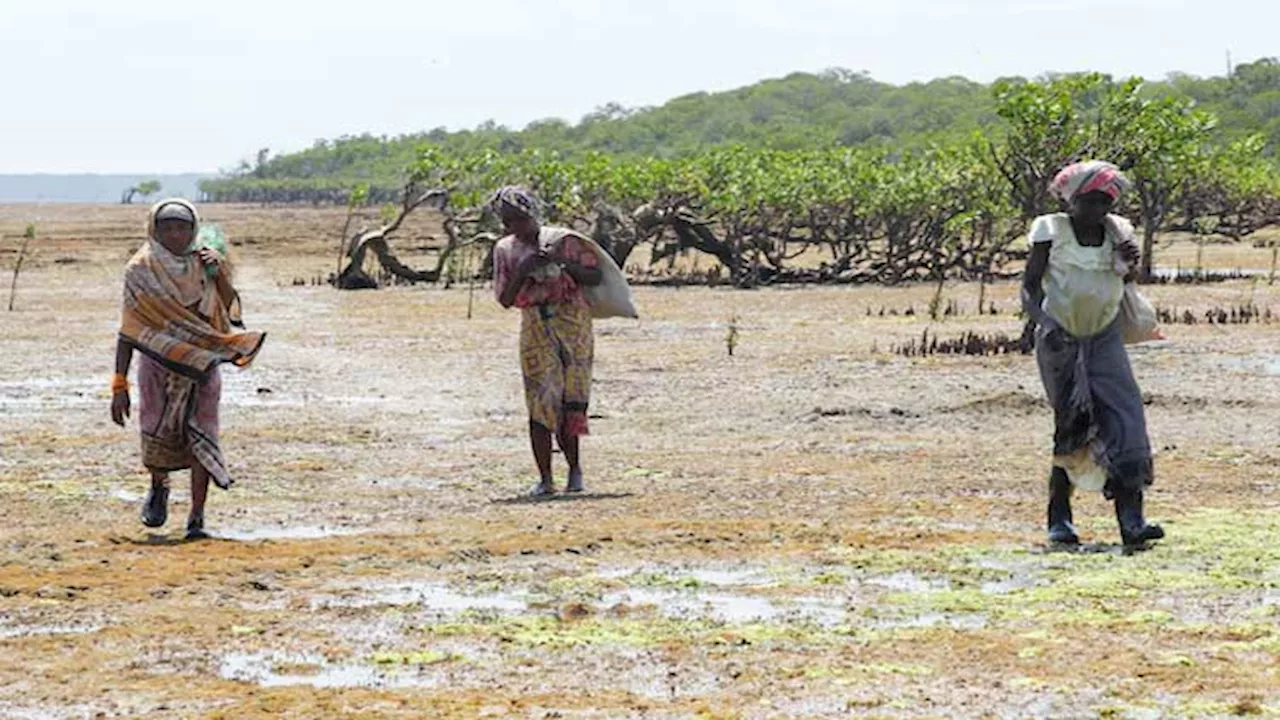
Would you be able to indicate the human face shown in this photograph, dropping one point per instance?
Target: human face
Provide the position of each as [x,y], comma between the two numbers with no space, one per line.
[175,235]
[1092,208]
[522,226]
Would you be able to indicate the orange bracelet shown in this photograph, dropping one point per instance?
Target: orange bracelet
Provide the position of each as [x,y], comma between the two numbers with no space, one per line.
[119,384]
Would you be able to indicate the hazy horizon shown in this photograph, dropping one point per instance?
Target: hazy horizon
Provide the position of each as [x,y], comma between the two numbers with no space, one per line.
[152,88]
[23,188]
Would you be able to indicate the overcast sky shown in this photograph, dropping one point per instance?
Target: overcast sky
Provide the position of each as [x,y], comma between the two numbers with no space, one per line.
[174,85]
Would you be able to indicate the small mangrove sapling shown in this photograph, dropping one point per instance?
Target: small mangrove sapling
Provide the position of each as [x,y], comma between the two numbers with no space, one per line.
[27,237]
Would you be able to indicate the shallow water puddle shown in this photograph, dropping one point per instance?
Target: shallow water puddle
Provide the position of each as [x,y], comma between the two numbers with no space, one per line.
[1261,364]
[433,596]
[734,596]
[284,532]
[282,669]
[690,576]
[17,712]
[731,608]
[908,582]
[729,578]
[131,497]
[1004,587]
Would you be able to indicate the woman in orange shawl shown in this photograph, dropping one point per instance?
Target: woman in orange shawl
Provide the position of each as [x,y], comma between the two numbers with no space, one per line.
[181,314]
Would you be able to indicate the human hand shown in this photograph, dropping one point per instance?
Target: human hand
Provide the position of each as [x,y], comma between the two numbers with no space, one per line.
[1130,252]
[120,407]
[534,262]
[209,257]
[1055,339]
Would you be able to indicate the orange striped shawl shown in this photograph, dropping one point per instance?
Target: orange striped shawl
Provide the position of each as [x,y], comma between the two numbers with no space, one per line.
[174,313]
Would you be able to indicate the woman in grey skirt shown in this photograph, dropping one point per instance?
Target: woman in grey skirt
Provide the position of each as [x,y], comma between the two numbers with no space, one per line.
[1072,290]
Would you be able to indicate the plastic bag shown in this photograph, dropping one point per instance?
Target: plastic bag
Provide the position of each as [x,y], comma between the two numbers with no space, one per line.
[210,236]
[1138,320]
[612,297]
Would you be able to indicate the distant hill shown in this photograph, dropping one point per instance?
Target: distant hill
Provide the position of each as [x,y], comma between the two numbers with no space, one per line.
[801,110]
[90,188]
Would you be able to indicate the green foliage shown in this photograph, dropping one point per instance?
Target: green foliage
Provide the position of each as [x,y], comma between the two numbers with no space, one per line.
[834,108]
[833,175]
[1234,192]
[865,214]
[359,196]
[1162,141]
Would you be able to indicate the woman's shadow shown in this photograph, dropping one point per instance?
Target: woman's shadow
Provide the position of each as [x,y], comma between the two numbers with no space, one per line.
[158,540]
[560,497]
[1092,549]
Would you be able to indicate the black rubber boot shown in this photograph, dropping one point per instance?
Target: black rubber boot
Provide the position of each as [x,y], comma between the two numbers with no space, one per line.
[195,528]
[1134,530]
[1061,531]
[155,509]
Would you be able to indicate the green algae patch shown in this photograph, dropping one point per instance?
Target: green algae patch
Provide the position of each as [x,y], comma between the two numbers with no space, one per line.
[421,658]
[1210,554]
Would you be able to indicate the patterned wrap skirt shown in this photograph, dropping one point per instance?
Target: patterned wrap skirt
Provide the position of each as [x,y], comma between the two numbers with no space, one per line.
[557,347]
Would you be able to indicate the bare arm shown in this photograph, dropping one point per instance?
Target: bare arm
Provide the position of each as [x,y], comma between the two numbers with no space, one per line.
[124,356]
[516,281]
[508,296]
[1033,276]
[1033,290]
[120,404]
[584,276]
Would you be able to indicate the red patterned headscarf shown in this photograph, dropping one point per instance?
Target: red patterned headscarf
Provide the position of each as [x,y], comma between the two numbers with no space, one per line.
[1086,177]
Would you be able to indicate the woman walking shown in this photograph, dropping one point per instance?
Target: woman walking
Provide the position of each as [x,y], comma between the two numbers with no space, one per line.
[1072,290]
[542,271]
[180,313]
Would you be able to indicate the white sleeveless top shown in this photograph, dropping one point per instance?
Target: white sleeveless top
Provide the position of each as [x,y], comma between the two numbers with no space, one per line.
[1083,285]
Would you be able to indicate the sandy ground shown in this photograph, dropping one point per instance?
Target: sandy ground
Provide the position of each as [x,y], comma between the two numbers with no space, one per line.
[809,528]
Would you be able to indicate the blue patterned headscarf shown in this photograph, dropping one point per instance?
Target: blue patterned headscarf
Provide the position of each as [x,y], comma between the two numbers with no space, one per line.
[515,198]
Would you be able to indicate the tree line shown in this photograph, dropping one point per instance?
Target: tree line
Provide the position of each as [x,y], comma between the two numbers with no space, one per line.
[949,208]
[800,111]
